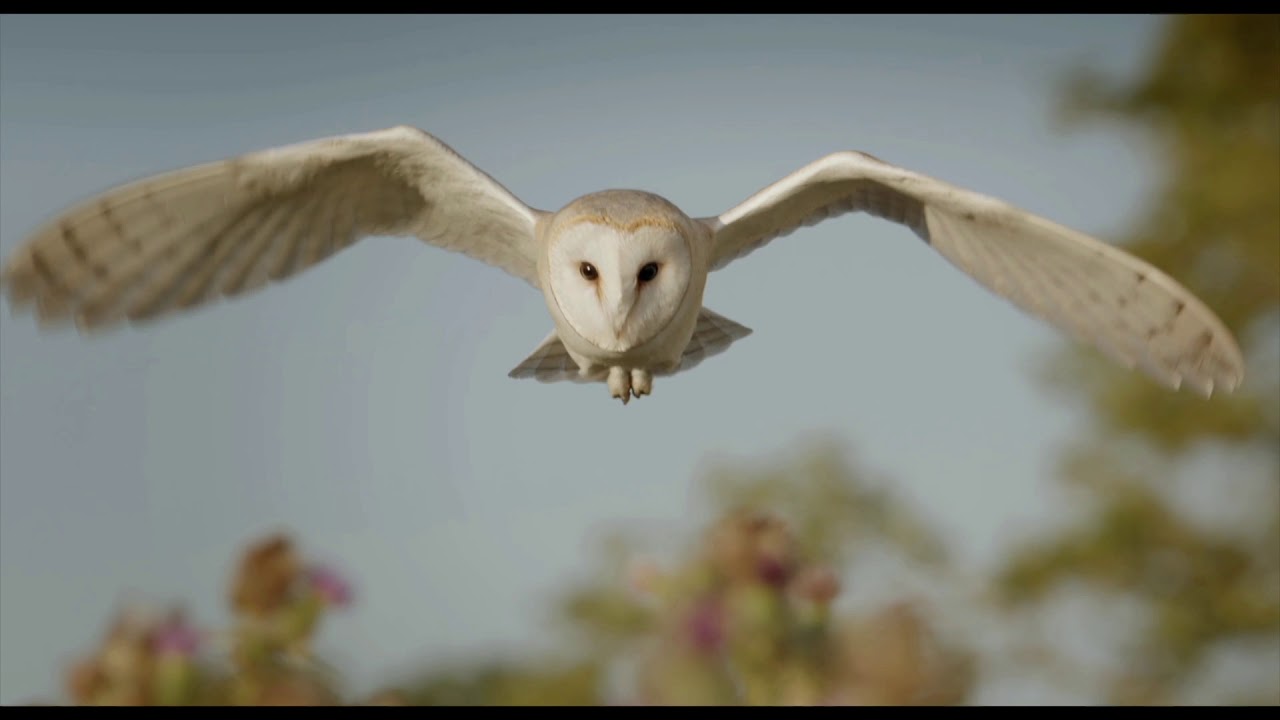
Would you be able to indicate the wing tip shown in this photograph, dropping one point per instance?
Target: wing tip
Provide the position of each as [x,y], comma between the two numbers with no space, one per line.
[17,280]
[1205,385]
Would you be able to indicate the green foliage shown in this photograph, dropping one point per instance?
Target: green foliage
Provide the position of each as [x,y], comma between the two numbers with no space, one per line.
[746,617]
[834,512]
[1210,102]
[151,658]
[575,685]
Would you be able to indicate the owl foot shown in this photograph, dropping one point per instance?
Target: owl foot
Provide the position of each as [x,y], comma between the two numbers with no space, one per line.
[625,384]
[641,382]
[620,384]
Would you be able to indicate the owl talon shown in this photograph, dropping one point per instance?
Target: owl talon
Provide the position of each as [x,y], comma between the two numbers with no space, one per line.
[641,382]
[620,384]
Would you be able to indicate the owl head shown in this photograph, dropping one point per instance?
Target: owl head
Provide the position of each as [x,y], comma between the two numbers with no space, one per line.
[620,264]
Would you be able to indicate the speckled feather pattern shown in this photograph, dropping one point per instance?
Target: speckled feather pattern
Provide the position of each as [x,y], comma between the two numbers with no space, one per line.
[1098,294]
[188,237]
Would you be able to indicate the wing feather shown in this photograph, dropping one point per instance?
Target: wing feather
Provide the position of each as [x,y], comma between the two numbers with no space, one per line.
[185,238]
[1100,295]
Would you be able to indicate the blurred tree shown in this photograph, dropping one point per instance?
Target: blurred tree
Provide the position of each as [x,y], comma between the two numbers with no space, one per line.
[1209,99]
[747,615]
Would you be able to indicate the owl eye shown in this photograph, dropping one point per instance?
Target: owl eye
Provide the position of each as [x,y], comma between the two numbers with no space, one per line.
[648,272]
[588,271]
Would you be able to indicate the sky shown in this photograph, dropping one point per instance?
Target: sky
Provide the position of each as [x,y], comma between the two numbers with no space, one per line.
[364,406]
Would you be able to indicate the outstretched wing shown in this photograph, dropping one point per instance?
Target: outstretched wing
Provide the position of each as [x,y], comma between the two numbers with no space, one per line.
[184,238]
[1101,295]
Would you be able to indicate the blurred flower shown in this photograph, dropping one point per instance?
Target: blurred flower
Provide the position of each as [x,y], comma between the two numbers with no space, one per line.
[753,547]
[174,643]
[267,573]
[125,649]
[816,584]
[704,626]
[120,672]
[332,588]
[644,576]
[295,690]
[85,680]
[772,571]
[746,622]
[673,675]
[294,626]
[149,658]
[175,636]
[894,658]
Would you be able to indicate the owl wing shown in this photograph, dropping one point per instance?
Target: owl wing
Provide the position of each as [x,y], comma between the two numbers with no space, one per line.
[184,238]
[1099,294]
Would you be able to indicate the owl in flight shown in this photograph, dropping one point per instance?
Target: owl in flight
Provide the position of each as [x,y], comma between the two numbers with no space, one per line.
[622,271]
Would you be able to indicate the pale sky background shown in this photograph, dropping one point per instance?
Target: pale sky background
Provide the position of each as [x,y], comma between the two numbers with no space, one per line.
[364,405]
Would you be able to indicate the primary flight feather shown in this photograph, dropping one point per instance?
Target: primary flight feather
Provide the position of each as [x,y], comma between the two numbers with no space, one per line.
[622,271]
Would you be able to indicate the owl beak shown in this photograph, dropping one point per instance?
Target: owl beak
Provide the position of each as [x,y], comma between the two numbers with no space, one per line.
[621,302]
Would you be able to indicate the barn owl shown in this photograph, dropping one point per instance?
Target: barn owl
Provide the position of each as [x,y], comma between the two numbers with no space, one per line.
[622,271]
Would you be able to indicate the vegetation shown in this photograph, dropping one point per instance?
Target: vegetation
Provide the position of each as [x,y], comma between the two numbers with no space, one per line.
[1209,102]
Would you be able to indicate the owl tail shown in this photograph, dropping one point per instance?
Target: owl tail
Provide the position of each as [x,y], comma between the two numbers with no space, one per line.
[549,362]
[713,334]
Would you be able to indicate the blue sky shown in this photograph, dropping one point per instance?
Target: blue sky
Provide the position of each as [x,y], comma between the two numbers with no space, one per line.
[364,406]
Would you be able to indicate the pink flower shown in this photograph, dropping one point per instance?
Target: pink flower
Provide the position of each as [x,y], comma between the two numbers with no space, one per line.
[644,576]
[817,585]
[705,626]
[175,637]
[332,587]
[772,571]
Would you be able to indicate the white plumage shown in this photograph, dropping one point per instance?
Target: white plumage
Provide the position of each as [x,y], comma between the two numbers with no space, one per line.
[622,271]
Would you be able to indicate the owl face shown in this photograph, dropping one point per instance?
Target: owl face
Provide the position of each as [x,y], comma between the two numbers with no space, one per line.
[619,286]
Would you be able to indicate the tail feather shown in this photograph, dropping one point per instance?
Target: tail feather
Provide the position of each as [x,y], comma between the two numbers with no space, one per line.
[549,362]
[712,335]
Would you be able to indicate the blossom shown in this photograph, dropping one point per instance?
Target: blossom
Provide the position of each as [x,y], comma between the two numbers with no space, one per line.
[644,576]
[753,547]
[175,637]
[817,584]
[332,588]
[266,576]
[705,626]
